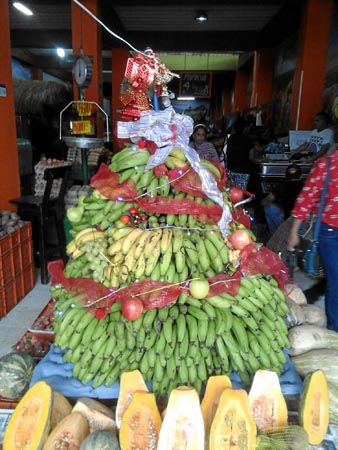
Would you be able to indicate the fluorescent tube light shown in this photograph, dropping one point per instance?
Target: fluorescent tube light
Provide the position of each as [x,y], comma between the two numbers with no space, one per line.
[185,98]
[22,8]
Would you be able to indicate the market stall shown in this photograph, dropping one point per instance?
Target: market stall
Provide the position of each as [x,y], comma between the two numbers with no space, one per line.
[169,310]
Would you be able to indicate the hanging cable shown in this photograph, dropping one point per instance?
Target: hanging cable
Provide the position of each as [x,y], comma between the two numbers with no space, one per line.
[110,31]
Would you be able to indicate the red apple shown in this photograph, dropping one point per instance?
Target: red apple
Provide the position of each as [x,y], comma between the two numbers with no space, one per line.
[240,239]
[236,194]
[132,308]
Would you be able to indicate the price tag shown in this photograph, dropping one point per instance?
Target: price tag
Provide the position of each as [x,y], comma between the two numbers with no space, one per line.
[81,127]
[84,109]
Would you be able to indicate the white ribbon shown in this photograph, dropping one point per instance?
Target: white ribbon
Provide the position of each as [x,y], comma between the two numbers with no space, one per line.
[169,129]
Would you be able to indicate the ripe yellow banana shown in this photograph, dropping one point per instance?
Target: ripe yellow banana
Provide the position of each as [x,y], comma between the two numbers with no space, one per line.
[152,242]
[91,235]
[130,239]
[167,234]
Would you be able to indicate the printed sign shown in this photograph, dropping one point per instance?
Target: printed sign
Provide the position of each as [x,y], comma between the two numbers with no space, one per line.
[195,84]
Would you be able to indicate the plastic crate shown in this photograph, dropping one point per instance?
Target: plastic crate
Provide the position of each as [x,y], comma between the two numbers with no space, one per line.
[17,276]
[10,240]
[7,269]
[16,289]
[16,253]
[8,298]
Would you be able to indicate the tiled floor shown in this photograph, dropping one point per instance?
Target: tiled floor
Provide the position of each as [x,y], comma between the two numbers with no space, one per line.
[19,319]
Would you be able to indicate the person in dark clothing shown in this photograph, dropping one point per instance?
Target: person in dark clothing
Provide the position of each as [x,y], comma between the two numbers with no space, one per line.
[238,149]
[279,202]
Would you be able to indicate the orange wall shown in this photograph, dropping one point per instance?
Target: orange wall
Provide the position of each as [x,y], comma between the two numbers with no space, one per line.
[262,77]
[9,167]
[240,91]
[311,63]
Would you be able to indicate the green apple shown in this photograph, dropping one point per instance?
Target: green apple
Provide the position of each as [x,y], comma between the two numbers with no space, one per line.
[199,288]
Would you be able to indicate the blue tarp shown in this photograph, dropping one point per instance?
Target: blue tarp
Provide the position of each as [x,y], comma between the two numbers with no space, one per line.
[59,375]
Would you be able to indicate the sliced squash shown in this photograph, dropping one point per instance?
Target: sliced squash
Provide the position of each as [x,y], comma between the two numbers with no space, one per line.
[183,426]
[30,422]
[61,409]
[233,427]
[314,406]
[68,434]
[130,382]
[98,415]
[141,423]
[213,391]
[267,403]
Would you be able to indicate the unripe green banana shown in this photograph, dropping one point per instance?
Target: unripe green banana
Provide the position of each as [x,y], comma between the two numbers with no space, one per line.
[240,334]
[198,313]
[177,240]
[202,331]
[203,257]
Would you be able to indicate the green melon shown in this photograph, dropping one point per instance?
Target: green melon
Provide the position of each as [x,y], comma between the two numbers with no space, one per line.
[100,440]
[15,374]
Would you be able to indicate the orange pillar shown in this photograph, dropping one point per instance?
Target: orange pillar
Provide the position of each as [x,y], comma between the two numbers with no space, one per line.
[262,77]
[9,167]
[311,63]
[119,61]
[240,91]
[86,35]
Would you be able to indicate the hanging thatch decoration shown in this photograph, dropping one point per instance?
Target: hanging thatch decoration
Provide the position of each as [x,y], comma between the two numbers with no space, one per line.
[32,96]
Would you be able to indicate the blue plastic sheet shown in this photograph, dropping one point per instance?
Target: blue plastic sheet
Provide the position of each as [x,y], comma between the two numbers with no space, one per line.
[59,375]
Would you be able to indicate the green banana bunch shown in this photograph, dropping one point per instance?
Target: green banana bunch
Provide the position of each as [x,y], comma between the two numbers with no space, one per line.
[128,158]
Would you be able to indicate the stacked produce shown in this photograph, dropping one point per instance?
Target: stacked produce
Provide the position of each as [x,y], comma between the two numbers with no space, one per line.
[312,348]
[182,310]
[224,418]
[9,222]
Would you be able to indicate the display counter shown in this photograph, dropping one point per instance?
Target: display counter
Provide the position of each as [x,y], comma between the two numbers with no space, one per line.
[272,168]
[266,171]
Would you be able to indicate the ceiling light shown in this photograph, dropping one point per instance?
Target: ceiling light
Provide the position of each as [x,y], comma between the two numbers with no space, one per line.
[22,8]
[60,52]
[201,16]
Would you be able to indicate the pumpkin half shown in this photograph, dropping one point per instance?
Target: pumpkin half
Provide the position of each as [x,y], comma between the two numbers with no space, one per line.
[141,423]
[267,403]
[98,415]
[30,422]
[61,408]
[183,426]
[314,406]
[233,427]
[129,383]
[68,434]
[213,391]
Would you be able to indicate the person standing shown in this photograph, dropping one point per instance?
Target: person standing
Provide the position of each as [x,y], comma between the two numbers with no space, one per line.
[308,202]
[205,149]
[320,142]
[238,151]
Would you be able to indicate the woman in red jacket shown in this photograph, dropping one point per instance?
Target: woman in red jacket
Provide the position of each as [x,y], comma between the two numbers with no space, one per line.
[307,202]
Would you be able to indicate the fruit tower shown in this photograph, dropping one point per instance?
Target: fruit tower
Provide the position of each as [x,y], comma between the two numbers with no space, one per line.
[162,275]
